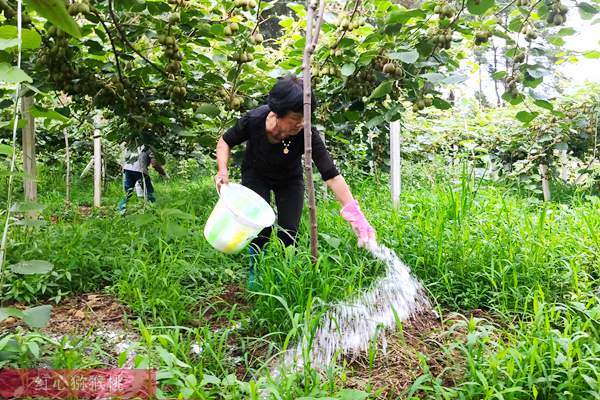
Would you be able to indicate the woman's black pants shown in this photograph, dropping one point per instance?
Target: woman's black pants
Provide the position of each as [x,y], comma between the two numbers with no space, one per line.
[289,200]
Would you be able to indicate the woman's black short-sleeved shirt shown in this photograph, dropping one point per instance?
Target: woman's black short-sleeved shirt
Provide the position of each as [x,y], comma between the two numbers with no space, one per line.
[268,159]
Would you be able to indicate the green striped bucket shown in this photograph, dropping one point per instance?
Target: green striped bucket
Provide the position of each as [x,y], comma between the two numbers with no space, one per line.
[238,217]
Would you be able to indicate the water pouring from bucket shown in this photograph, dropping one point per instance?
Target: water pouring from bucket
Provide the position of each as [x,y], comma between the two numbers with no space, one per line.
[238,217]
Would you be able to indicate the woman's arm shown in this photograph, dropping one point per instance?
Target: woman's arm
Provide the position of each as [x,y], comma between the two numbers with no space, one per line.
[222,176]
[340,188]
[351,211]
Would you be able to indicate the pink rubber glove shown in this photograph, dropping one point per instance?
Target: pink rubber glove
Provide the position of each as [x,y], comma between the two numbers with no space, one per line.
[365,232]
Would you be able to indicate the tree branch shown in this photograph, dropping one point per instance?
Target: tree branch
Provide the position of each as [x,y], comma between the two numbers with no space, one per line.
[126,42]
[112,44]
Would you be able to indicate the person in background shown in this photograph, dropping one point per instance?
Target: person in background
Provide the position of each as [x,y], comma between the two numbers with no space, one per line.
[273,163]
[136,160]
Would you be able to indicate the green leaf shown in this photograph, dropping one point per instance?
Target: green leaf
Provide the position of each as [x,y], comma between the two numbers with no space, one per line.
[174,230]
[352,394]
[31,267]
[532,82]
[383,89]
[566,32]
[34,349]
[348,69]
[208,109]
[30,39]
[441,104]
[331,240]
[407,57]
[141,219]
[592,54]
[5,149]
[27,206]
[375,121]
[454,79]
[515,24]
[209,380]
[402,16]
[544,104]
[297,8]
[10,74]
[157,7]
[48,114]
[526,117]
[536,71]
[56,12]
[37,317]
[10,312]
[433,77]
[587,8]
[481,7]
[557,41]
[499,75]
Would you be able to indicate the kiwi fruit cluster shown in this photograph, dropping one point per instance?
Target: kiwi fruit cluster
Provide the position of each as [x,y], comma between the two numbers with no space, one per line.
[10,13]
[55,56]
[522,3]
[511,84]
[325,70]
[444,10]
[482,36]
[363,84]
[529,33]
[242,57]
[347,23]
[393,70]
[557,14]
[171,50]
[519,56]
[422,103]
[177,91]
[231,29]
[256,38]
[443,39]
[236,102]
[245,4]
[79,8]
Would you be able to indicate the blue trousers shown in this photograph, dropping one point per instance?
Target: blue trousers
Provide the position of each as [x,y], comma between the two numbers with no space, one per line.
[130,178]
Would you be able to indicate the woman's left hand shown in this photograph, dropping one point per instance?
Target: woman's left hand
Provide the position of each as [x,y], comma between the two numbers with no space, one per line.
[365,232]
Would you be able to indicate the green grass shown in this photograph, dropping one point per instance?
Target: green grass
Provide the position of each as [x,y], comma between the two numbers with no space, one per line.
[474,244]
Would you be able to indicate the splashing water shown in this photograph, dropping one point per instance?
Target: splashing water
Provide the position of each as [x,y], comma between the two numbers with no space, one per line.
[347,328]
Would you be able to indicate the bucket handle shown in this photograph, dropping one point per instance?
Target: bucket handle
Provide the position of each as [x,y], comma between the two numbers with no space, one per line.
[217,189]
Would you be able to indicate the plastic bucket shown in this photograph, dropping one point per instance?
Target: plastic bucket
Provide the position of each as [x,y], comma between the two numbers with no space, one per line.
[238,217]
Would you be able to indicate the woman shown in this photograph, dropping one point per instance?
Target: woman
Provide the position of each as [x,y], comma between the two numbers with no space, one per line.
[272,162]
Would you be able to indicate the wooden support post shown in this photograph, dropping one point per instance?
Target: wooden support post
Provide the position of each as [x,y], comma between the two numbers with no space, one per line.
[312,38]
[545,182]
[97,168]
[325,193]
[28,136]
[68,165]
[564,165]
[395,162]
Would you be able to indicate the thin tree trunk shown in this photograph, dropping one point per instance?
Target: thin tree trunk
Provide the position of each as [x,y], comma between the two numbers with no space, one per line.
[395,162]
[564,167]
[97,168]
[29,167]
[545,182]
[309,48]
[498,98]
[68,164]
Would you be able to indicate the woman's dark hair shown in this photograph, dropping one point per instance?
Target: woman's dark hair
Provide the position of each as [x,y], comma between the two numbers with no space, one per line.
[288,96]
